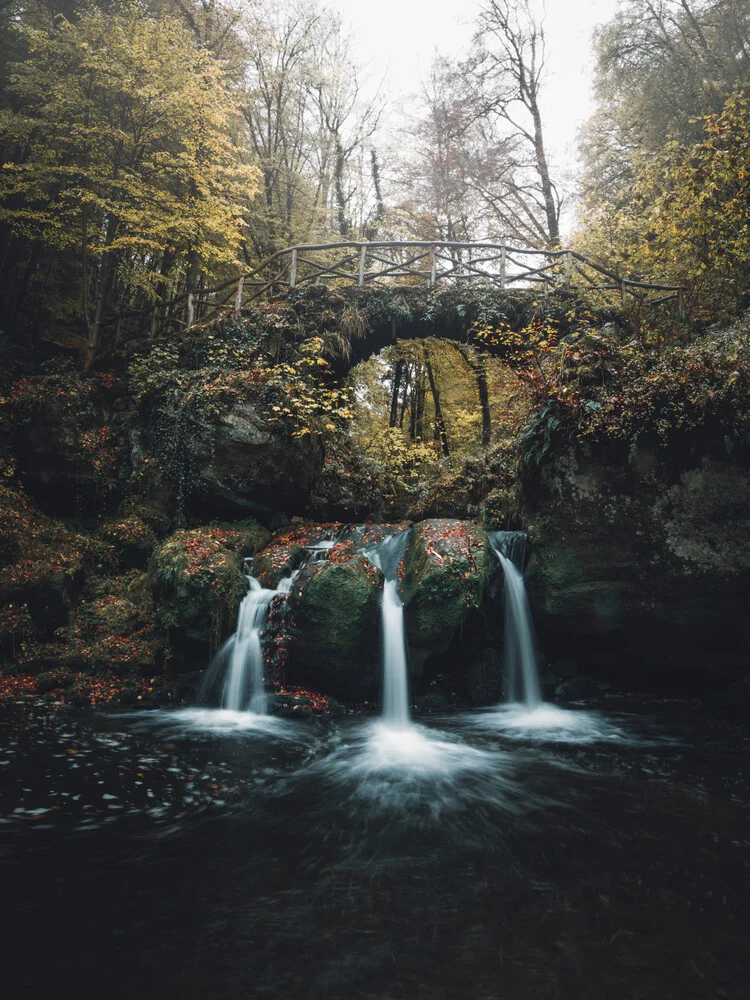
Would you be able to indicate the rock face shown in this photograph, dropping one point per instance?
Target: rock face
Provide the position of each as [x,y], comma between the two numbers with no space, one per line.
[446,568]
[335,607]
[641,565]
[198,582]
[66,448]
[242,465]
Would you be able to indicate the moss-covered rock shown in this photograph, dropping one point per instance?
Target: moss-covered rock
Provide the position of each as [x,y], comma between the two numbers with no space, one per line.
[131,538]
[445,571]
[113,629]
[198,581]
[286,550]
[152,516]
[276,562]
[44,564]
[335,608]
[67,449]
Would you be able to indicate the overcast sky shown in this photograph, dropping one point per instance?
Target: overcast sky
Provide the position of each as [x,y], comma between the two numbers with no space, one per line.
[398,38]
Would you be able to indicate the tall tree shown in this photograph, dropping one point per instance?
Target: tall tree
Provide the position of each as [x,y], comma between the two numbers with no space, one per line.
[307,126]
[510,64]
[661,66]
[126,174]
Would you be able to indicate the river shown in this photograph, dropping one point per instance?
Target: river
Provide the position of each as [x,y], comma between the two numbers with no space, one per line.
[474,856]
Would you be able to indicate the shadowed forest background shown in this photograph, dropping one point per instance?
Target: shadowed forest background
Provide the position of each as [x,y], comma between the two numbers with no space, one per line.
[152,153]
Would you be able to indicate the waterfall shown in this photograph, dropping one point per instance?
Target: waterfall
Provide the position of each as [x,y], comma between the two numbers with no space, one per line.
[387,556]
[510,547]
[245,674]
[244,687]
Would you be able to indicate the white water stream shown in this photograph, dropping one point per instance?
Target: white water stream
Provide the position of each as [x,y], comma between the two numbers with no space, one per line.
[520,647]
[244,688]
[387,556]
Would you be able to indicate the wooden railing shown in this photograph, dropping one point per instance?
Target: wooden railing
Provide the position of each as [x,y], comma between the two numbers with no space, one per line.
[415,263]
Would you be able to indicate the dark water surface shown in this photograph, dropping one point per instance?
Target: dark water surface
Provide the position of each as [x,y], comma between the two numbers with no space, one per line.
[476,857]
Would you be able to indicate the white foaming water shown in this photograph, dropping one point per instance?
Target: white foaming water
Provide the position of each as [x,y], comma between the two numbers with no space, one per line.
[387,556]
[415,770]
[186,721]
[245,675]
[550,724]
[520,648]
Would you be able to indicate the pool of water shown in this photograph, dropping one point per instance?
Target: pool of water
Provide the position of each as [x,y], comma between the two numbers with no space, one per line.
[492,854]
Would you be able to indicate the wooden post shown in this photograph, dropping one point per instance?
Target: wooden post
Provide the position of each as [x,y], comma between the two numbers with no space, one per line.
[502,268]
[293,271]
[238,296]
[681,303]
[568,268]
[433,267]
[190,310]
[362,264]
[154,314]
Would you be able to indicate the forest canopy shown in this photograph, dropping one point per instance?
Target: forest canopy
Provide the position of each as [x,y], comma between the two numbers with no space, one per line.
[154,149]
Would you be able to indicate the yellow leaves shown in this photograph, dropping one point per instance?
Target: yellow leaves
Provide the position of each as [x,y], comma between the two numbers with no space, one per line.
[125,116]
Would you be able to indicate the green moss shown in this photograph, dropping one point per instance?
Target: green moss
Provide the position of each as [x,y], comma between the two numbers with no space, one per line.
[198,581]
[336,597]
[445,571]
[132,539]
[114,628]
[336,613]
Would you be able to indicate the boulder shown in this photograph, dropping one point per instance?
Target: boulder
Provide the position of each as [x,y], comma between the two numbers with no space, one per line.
[131,538]
[445,572]
[277,561]
[335,646]
[198,581]
[243,465]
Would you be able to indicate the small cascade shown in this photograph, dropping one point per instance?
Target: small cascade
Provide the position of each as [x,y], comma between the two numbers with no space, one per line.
[244,687]
[511,548]
[387,556]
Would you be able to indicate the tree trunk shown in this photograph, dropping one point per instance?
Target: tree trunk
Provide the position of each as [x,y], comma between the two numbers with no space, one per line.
[550,205]
[344,226]
[440,433]
[479,367]
[397,373]
[405,396]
